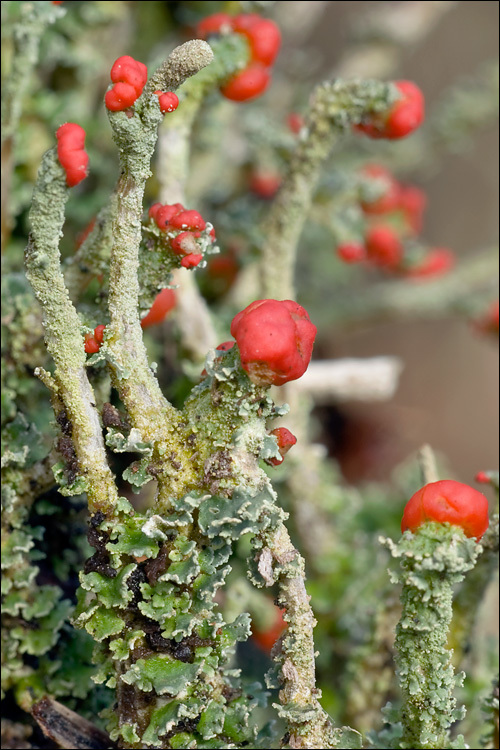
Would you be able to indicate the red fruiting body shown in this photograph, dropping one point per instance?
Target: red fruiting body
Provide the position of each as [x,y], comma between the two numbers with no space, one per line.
[94,340]
[191,260]
[267,638]
[129,77]
[285,440]
[164,302]
[245,21]
[275,339]
[295,122]
[154,210]
[130,71]
[91,345]
[403,118]
[482,478]
[448,502]
[438,261]
[187,220]
[184,243]
[169,101]
[407,114]
[225,346]
[265,184]
[248,84]
[383,246]
[389,199]
[351,252]
[99,333]
[163,214]
[71,154]
[264,37]
[412,202]
[120,97]
[213,24]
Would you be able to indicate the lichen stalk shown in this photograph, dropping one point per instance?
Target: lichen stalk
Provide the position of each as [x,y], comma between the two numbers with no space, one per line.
[308,725]
[63,336]
[136,136]
[433,560]
[334,108]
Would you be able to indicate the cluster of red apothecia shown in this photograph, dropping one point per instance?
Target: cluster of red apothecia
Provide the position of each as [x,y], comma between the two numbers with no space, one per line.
[129,77]
[264,39]
[450,502]
[275,340]
[184,228]
[70,152]
[162,305]
[392,221]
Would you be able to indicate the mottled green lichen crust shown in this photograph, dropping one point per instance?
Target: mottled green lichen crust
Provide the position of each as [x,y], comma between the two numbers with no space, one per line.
[432,561]
[148,600]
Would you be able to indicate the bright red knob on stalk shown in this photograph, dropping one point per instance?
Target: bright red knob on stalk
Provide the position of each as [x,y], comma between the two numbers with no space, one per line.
[169,101]
[163,303]
[248,84]
[295,122]
[386,202]
[265,184]
[275,340]
[383,246]
[94,340]
[71,154]
[187,220]
[191,260]
[184,243]
[405,115]
[351,252]
[129,77]
[450,502]
[482,478]
[213,24]
[162,214]
[285,440]
[438,261]
[264,37]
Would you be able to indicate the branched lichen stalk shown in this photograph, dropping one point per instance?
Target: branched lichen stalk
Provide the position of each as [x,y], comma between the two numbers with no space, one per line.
[334,107]
[433,560]
[63,335]
[174,148]
[136,136]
